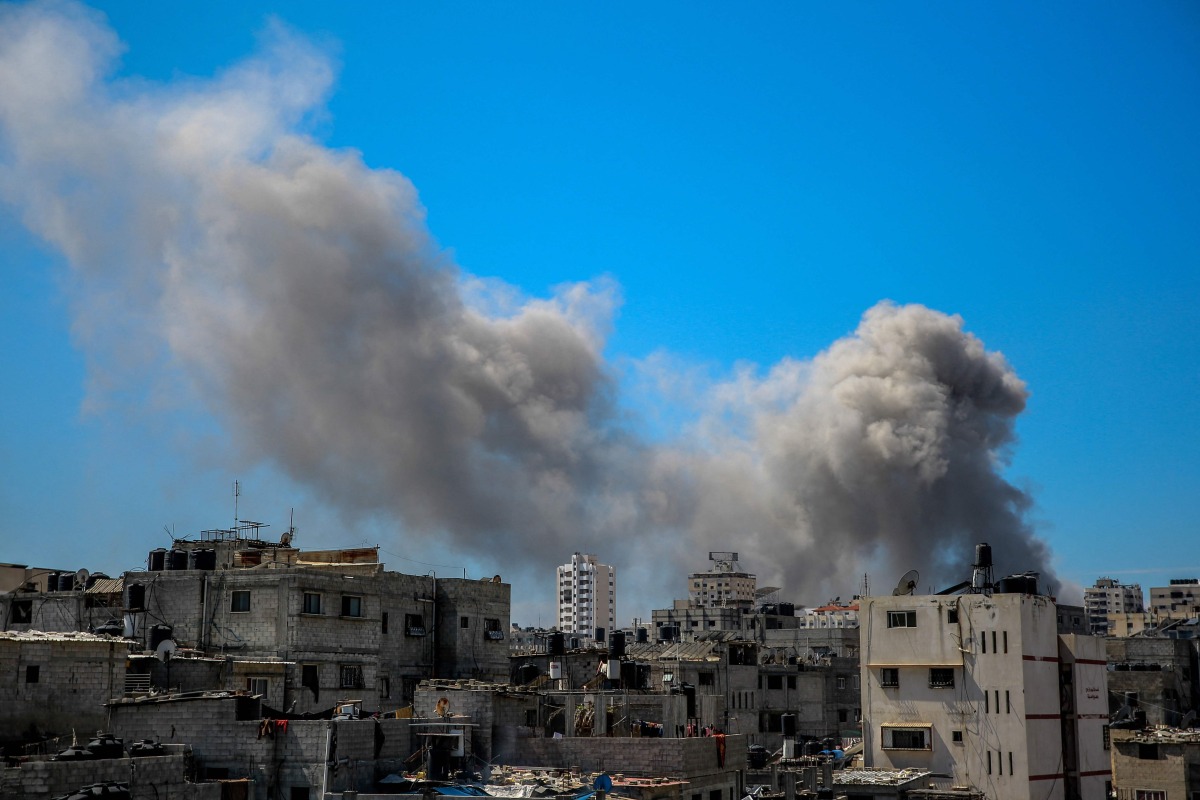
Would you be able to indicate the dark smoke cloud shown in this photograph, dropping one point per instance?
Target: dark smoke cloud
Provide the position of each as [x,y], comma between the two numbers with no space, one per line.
[301,296]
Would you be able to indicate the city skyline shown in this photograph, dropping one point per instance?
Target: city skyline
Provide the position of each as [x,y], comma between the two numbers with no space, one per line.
[707,214]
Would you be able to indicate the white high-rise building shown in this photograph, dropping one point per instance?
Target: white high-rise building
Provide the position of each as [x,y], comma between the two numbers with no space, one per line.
[1110,597]
[587,596]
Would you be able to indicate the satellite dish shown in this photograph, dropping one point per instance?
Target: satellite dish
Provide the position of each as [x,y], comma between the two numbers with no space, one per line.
[443,707]
[81,579]
[165,648]
[907,584]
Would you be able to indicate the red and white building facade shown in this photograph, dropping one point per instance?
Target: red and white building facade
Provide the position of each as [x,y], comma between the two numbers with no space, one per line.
[982,687]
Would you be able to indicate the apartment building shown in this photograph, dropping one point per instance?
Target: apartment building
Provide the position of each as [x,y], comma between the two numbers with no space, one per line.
[1107,597]
[1180,600]
[983,688]
[587,596]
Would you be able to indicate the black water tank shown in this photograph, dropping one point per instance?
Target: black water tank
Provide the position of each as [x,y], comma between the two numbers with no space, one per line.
[812,747]
[629,674]
[66,582]
[137,597]
[616,645]
[177,559]
[204,559]
[599,634]
[96,576]
[557,644]
[983,555]
[788,721]
[643,636]
[527,673]
[158,635]
[157,561]
[643,676]
[756,755]
[52,582]
[787,609]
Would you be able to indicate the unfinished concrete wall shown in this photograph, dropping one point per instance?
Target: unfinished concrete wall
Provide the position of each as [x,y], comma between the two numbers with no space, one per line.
[276,761]
[58,682]
[693,759]
[148,778]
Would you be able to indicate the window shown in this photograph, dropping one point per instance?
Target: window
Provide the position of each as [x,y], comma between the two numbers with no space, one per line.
[994,648]
[351,606]
[464,622]
[312,603]
[1007,702]
[983,641]
[414,625]
[951,616]
[855,681]
[531,718]
[941,677]
[706,678]
[1006,641]
[1149,794]
[906,739]
[956,737]
[491,629]
[352,676]
[32,673]
[383,622]
[841,681]
[791,684]
[843,715]
[22,611]
[385,687]
[889,676]
[257,685]
[774,681]
[299,793]
[239,602]
[309,679]
[902,619]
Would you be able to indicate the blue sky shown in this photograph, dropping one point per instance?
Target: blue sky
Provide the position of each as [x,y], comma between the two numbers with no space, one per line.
[753,180]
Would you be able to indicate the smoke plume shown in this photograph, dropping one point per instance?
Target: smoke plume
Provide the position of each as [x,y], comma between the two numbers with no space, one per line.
[299,295]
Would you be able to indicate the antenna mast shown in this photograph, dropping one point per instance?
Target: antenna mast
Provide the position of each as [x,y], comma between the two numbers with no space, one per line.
[237,491]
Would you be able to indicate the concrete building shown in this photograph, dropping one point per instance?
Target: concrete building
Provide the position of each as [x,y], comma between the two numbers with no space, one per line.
[1160,671]
[587,596]
[634,733]
[831,615]
[724,585]
[1180,600]
[1156,765]
[1107,597]
[300,627]
[982,687]
[51,683]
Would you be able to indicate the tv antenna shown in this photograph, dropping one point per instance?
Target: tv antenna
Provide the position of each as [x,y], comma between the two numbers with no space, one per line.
[907,583]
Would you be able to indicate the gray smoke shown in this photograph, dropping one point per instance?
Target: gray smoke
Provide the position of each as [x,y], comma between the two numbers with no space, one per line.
[297,294]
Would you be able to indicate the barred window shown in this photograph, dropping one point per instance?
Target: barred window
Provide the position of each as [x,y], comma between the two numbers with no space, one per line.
[352,676]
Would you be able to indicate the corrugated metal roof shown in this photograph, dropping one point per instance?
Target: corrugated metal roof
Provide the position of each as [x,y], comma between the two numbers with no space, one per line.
[56,636]
[107,586]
